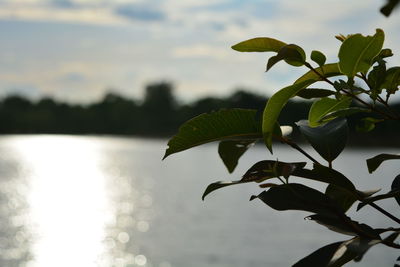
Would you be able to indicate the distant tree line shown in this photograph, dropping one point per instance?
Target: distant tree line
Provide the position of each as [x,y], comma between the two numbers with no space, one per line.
[159,114]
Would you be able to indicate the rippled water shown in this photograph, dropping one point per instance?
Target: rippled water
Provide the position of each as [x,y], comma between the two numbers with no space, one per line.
[108,201]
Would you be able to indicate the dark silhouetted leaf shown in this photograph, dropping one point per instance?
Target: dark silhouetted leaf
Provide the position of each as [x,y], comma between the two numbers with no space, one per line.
[357,52]
[344,198]
[396,187]
[329,139]
[230,124]
[230,151]
[389,7]
[375,162]
[291,53]
[321,257]
[392,80]
[274,107]
[394,193]
[318,57]
[310,93]
[259,44]
[344,225]
[324,106]
[266,169]
[259,172]
[298,197]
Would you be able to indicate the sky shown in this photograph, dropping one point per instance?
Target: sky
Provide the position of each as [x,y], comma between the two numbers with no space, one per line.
[77,50]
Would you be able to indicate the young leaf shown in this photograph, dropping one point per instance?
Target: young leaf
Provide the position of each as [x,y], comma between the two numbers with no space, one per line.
[328,70]
[291,53]
[309,93]
[230,152]
[375,162]
[230,124]
[344,113]
[259,44]
[324,106]
[367,124]
[329,139]
[318,57]
[297,197]
[274,107]
[357,52]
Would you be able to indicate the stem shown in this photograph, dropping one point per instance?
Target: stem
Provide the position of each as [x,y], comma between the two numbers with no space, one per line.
[351,94]
[394,218]
[295,146]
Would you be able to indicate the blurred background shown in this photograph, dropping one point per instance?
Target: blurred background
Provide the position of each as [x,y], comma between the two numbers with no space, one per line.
[90,91]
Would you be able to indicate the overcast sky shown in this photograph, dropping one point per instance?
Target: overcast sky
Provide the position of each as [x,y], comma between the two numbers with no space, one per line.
[76,50]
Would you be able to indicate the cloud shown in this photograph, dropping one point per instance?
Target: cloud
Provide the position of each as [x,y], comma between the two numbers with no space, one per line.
[138,12]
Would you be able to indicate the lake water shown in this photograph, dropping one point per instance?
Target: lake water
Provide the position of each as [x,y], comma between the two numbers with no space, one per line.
[108,201]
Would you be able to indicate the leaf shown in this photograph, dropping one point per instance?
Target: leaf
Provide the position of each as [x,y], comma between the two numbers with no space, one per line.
[217,185]
[297,197]
[344,113]
[291,53]
[230,151]
[392,80]
[328,70]
[339,253]
[259,44]
[389,7]
[376,78]
[367,124]
[322,107]
[274,106]
[344,198]
[321,257]
[318,57]
[357,52]
[394,193]
[344,225]
[375,162]
[396,187]
[266,169]
[259,172]
[329,139]
[309,93]
[230,124]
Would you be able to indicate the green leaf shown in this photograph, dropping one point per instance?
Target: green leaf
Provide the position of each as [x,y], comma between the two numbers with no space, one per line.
[367,124]
[357,52]
[230,152]
[298,197]
[318,57]
[392,80]
[394,193]
[344,198]
[376,77]
[324,106]
[309,93]
[259,172]
[389,7]
[293,55]
[329,139]
[375,162]
[274,106]
[260,44]
[328,70]
[230,124]
[344,113]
